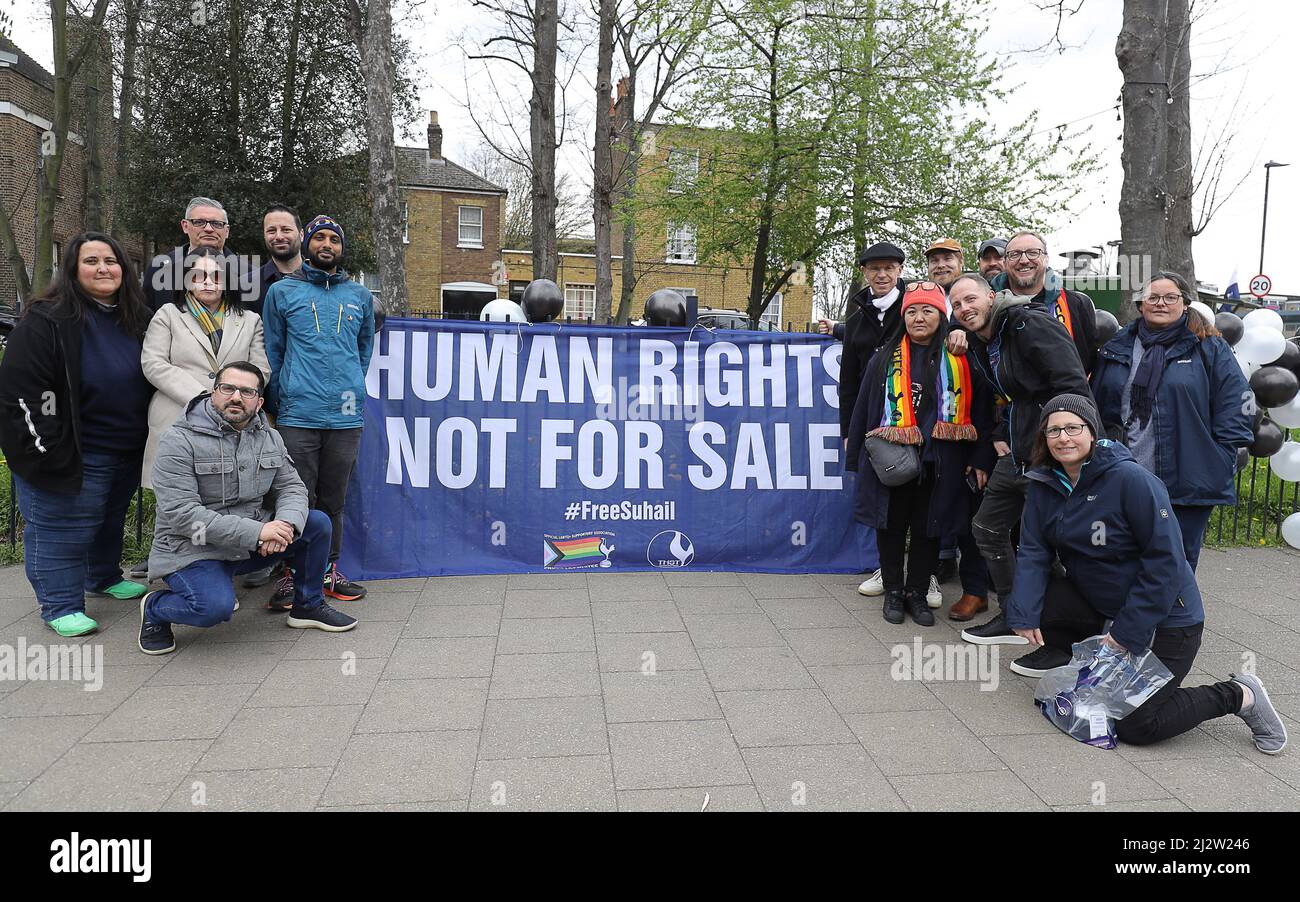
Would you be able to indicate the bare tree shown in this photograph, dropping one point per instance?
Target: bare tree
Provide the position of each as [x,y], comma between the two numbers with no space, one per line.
[372,30]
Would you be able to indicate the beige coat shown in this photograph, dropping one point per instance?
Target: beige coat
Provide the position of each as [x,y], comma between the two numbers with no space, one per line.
[177,359]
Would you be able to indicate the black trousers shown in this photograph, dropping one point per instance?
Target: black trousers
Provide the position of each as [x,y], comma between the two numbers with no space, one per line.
[909,509]
[1068,618]
[324,459]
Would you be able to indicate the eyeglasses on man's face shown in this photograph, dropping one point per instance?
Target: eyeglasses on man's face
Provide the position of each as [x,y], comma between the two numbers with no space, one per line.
[226,390]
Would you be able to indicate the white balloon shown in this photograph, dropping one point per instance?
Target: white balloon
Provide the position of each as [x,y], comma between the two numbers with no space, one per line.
[1291,530]
[1286,462]
[1204,310]
[1265,318]
[1287,415]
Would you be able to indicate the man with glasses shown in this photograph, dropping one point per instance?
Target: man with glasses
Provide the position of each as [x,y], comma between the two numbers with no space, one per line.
[205,225]
[228,500]
[1030,359]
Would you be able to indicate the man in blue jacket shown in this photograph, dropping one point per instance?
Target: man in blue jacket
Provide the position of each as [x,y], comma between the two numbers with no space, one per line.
[320,330]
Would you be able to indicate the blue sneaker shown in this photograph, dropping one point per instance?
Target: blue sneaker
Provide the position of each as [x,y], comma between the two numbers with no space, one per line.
[155,636]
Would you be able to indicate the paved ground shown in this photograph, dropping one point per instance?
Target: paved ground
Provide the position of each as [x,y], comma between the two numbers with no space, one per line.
[530,692]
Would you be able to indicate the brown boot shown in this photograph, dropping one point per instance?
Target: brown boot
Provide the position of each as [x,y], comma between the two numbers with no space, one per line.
[967,607]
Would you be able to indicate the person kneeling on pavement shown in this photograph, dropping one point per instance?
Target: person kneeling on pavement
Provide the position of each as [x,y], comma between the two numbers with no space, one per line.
[229,501]
[916,393]
[1110,521]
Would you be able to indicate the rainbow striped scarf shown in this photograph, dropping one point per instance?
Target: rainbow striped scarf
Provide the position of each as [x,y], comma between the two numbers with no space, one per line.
[898,419]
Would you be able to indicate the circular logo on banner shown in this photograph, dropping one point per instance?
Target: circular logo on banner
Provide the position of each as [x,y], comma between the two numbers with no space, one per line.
[670,549]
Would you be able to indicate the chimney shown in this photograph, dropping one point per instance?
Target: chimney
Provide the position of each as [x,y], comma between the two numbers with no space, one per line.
[435,136]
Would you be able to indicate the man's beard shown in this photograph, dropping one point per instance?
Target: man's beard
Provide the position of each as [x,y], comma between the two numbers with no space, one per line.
[316,261]
[289,254]
[244,416]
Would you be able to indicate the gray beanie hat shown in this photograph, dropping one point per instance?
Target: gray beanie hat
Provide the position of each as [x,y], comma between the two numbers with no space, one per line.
[1080,406]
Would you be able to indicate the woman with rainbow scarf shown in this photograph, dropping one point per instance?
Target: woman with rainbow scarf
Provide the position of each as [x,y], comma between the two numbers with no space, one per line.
[914,392]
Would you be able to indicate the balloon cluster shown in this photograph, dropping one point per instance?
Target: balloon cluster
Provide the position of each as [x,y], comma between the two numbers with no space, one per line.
[1272,364]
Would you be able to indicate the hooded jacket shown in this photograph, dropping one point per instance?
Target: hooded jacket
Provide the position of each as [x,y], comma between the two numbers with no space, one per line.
[320,331]
[216,486]
[1036,361]
[864,334]
[1119,541]
[951,500]
[1199,410]
[1083,313]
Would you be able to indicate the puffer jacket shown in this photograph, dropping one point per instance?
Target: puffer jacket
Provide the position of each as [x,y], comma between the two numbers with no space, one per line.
[320,332]
[216,486]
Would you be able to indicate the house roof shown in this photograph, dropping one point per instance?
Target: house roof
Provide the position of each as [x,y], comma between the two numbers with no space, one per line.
[27,67]
[417,170]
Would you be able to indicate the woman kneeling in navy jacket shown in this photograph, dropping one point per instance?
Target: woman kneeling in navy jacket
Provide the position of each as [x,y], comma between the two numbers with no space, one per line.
[1109,521]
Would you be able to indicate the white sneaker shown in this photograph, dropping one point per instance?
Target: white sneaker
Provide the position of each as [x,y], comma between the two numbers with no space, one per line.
[934,598]
[872,585]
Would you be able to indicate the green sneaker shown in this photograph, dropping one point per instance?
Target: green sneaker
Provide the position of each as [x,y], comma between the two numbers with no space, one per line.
[71,625]
[124,591]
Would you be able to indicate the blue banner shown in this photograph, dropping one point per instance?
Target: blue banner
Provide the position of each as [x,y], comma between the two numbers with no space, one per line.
[507,448]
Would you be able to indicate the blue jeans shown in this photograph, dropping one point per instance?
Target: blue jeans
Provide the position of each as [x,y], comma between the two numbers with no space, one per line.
[72,544]
[1192,522]
[203,594]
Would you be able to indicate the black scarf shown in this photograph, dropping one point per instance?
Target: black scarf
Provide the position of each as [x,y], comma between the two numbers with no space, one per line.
[1151,369]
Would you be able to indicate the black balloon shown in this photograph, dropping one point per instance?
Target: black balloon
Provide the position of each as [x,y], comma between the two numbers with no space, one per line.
[1231,326]
[1107,326]
[1243,458]
[1290,358]
[1274,386]
[543,301]
[1268,439]
[665,307]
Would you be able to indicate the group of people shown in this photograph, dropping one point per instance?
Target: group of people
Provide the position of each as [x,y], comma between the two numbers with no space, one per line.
[1075,479]
[109,382]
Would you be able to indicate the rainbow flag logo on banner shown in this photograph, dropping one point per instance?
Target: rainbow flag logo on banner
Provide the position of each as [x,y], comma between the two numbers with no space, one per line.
[576,552]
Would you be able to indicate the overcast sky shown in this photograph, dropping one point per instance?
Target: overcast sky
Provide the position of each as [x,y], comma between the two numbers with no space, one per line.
[1062,86]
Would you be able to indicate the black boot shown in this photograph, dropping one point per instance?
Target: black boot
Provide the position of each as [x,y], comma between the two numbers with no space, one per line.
[918,609]
[895,604]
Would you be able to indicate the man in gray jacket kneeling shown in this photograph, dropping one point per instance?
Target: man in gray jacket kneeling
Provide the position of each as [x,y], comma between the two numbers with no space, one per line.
[229,501]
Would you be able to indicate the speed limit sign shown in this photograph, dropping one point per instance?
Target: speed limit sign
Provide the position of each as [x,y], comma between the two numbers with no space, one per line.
[1261,285]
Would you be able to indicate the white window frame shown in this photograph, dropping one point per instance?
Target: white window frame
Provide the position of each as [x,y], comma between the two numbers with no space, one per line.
[773,312]
[583,296]
[461,225]
[683,169]
[681,243]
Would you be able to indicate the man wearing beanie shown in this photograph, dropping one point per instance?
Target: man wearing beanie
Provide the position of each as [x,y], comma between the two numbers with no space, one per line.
[1030,359]
[320,330]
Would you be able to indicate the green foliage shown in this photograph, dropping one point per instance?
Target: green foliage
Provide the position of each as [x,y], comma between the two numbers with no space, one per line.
[846,122]
[216,117]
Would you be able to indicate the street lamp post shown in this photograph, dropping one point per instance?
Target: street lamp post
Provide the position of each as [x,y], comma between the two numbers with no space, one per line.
[1268,168]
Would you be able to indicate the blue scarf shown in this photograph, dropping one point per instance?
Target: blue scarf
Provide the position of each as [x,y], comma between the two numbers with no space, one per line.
[1151,369]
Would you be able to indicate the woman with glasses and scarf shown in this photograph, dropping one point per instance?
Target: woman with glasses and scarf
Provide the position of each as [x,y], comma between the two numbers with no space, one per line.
[915,393]
[73,421]
[1170,388]
[192,338]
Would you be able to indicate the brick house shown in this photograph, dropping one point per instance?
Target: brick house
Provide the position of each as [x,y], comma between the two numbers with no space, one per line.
[452,230]
[665,251]
[26,108]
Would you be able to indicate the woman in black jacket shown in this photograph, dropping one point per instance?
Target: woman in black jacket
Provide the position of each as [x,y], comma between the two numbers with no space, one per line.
[73,424]
[917,393]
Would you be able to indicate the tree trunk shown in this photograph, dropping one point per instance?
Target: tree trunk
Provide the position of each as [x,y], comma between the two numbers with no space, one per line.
[603,175]
[373,33]
[542,137]
[1140,52]
[125,105]
[1179,226]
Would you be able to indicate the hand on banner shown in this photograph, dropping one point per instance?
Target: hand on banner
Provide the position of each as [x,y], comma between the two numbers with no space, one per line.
[957,342]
